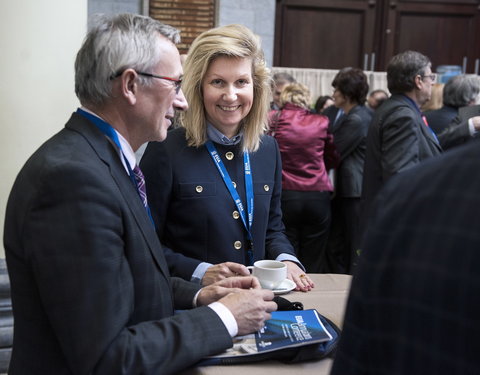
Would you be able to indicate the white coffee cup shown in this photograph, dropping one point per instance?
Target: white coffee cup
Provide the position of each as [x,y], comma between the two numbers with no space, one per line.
[270,273]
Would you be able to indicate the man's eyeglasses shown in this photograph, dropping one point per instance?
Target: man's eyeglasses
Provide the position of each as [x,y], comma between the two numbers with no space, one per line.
[433,77]
[176,82]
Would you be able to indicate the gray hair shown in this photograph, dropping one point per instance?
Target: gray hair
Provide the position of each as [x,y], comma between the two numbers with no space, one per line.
[112,45]
[282,78]
[402,70]
[461,90]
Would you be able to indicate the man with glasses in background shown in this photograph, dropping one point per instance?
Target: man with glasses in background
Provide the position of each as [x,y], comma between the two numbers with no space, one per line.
[399,136]
[91,290]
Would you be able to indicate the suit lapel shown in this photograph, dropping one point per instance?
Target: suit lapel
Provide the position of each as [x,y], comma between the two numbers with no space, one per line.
[426,131]
[108,154]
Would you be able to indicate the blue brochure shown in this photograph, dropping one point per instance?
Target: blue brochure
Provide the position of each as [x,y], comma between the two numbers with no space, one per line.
[286,329]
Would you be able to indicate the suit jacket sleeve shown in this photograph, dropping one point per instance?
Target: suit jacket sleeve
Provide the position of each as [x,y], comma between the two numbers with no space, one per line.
[455,134]
[75,232]
[349,135]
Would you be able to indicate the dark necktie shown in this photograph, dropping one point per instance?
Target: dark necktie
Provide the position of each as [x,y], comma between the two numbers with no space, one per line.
[140,179]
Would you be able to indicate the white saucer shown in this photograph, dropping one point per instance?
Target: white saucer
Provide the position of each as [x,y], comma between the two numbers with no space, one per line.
[286,286]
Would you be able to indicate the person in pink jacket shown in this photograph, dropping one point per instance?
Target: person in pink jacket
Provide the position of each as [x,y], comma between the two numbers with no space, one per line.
[308,152]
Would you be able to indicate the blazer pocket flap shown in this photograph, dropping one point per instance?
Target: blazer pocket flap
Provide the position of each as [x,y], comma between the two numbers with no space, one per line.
[196,189]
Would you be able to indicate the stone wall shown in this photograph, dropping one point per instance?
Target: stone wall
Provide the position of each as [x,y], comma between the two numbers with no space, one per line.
[115,6]
[258,15]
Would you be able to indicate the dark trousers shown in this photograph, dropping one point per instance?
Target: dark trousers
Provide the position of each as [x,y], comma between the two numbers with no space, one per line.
[306,215]
[343,242]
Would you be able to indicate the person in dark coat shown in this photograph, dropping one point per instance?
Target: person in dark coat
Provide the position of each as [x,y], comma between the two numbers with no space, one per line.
[460,91]
[398,137]
[413,304]
[91,292]
[351,88]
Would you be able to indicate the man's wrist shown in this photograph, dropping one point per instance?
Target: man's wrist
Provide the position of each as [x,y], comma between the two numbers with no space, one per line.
[199,272]
[226,316]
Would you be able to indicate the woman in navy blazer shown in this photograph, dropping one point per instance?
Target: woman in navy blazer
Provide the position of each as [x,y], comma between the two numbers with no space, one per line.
[214,184]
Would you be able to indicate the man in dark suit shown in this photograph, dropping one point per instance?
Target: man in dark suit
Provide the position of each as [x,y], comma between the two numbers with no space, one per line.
[413,305]
[460,91]
[451,122]
[91,291]
[398,137]
[463,128]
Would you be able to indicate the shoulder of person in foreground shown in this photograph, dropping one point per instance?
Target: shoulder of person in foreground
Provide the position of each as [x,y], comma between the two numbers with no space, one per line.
[423,228]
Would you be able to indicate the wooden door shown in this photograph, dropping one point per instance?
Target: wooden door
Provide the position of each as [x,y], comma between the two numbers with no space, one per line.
[448,32]
[325,34]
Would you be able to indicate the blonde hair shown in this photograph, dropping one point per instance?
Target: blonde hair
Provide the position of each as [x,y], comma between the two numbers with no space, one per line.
[235,41]
[297,94]
[436,100]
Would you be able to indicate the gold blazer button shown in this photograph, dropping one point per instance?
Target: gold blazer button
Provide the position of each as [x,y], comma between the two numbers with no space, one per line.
[235,215]
[237,245]
[234,184]
[199,189]
[266,187]
[229,155]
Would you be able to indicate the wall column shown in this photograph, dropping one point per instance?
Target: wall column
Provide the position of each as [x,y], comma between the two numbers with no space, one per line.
[39,41]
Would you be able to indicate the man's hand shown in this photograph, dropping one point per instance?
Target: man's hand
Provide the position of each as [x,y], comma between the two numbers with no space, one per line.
[222,271]
[476,122]
[244,297]
[250,308]
[224,287]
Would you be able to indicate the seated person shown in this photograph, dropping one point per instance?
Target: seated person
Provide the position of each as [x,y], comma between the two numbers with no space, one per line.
[91,291]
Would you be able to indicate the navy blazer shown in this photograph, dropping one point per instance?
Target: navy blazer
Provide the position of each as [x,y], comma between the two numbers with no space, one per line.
[413,306]
[91,291]
[194,212]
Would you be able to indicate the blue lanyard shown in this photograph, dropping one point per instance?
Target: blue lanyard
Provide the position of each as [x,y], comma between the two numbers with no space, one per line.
[106,129]
[247,220]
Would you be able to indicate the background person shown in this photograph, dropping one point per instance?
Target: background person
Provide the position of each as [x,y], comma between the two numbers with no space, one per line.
[322,103]
[90,287]
[376,98]
[398,137]
[350,89]
[280,80]
[211,233]
[457,121]
[460,91]
[307,152]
